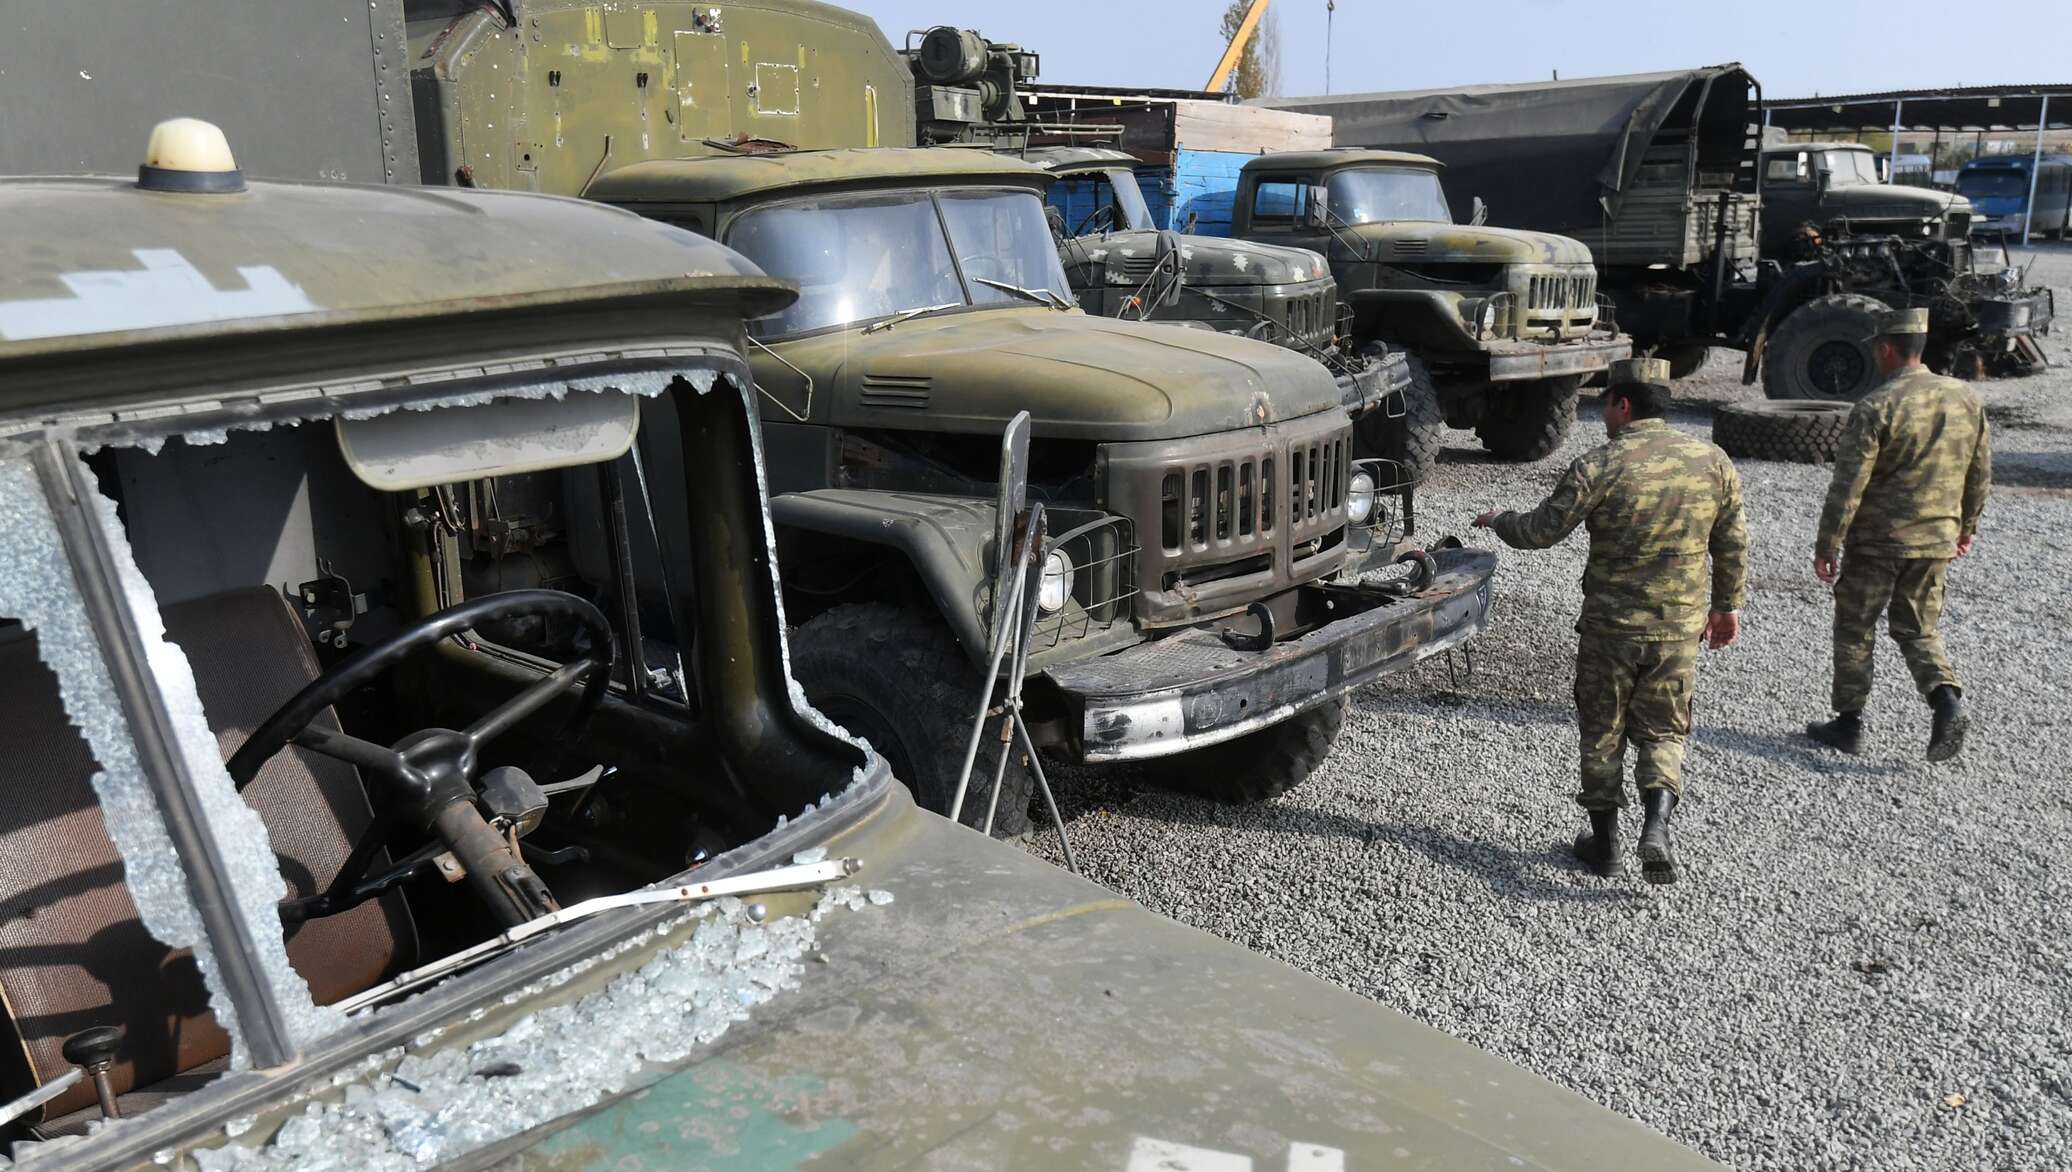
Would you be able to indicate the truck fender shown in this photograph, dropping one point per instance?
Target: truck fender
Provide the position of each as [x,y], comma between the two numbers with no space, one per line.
[946,540]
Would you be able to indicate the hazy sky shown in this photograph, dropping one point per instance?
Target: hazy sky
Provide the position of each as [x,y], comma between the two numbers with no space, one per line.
[1418,44]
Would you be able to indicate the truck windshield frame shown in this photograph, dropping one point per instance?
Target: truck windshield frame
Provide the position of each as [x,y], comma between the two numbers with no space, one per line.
[866,257]
[1375,195]
[1849,168]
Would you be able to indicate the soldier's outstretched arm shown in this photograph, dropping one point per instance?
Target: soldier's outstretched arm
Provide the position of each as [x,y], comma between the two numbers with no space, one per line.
[1978,482]
[1729,544]
[1555,518]
[1854,460]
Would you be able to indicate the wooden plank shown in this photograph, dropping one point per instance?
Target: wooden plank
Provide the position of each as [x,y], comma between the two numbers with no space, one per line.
[1218,126]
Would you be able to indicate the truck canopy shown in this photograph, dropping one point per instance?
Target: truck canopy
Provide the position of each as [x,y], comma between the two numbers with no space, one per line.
[1557,156]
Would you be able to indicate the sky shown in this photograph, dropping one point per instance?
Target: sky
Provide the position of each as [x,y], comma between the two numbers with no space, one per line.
[1417,44]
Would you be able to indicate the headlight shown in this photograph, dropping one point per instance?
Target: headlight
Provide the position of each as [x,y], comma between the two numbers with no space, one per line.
[1487,320]
[1056,586]
[1359,498]
[1480,315]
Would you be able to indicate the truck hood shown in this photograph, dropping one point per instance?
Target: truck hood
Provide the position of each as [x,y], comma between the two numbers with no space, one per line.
[1121,258]
[1079,377]
[1424,242]
[1003,1014]
[1884,201]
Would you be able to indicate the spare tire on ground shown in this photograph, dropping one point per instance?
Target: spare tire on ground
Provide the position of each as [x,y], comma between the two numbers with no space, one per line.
[1798,431]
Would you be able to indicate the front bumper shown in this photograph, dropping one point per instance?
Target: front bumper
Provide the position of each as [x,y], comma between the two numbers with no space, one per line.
[1518,361]
[1365,389]
[1192,689]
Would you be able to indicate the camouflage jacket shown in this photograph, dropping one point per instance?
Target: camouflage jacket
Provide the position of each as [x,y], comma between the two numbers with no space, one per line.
[1912,473]
[1656,502]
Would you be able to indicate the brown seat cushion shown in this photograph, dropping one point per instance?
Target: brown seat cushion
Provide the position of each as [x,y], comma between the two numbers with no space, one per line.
[72,952]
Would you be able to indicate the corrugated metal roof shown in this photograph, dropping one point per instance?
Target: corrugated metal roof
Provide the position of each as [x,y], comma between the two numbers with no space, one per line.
[1986,107]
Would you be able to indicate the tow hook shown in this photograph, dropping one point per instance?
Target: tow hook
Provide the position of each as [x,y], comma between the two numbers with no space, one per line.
[1239,641]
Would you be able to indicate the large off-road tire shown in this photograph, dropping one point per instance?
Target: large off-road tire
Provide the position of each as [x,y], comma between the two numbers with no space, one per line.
[1413,439]
[1822,350]
[895,678]
[1527,421]
[1684,359]
[1258,766]
[1796,431]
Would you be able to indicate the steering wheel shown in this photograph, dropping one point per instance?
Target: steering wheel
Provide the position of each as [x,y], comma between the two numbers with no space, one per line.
[429,776]
[1101,219]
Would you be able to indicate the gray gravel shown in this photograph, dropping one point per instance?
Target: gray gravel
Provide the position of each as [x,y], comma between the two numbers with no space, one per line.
[1866,964]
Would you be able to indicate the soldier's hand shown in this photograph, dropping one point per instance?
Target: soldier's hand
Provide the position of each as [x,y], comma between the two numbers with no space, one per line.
[1721,629]
[1826,570]
[1964,543]
[1486,519]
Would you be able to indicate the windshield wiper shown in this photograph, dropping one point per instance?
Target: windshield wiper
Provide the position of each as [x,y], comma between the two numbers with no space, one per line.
[909,315]
[1039,296]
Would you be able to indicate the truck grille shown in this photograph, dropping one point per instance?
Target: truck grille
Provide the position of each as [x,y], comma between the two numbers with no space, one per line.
[1233,503]
[1547,294]
[1231,519]
[1310,316]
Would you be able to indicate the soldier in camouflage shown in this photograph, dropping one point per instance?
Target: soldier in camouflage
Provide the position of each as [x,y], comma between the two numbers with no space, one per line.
[1910,481]
[1656,503]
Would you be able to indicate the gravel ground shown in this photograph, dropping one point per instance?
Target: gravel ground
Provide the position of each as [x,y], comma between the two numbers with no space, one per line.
[1865,965]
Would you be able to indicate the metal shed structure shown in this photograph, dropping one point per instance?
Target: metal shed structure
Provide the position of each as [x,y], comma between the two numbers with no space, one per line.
[1961,109]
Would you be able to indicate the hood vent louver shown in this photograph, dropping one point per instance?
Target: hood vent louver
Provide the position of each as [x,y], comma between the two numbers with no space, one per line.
[898,391]
[1412,247]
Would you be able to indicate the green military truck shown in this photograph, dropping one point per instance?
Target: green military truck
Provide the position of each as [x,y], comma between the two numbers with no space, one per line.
[1703,236]
[1121,265]
[1205,604]
[1502,325]
[444,854]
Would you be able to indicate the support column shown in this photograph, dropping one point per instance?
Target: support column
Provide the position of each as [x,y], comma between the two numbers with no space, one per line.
[2035,170]
[1892,156]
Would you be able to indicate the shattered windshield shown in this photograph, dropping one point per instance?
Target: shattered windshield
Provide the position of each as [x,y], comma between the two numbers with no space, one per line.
[869,258]
[1372,195]
[1845,168]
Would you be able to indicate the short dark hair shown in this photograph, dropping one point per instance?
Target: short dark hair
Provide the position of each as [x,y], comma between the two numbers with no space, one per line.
[1907,346]
[1650,400]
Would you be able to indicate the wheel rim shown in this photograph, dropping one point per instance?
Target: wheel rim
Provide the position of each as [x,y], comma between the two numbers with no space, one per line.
[1836,367]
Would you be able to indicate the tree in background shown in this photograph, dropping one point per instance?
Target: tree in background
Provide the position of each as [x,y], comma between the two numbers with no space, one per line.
[1258,72]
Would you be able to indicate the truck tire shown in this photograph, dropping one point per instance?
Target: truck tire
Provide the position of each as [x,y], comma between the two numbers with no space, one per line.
[1528,421]
[1413,440]
[895,678]
[1258,766]
[1795,431]
[1820,350]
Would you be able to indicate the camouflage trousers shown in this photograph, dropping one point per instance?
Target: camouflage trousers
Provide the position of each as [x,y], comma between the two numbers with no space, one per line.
[1637,692]
[1909,593]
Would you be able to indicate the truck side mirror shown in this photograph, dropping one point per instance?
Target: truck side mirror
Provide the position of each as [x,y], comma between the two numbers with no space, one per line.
[1481,214]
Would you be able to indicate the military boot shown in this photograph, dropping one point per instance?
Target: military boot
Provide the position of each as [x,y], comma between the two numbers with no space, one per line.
[1657,852]
[1598,844]
[1844,732]
[1946,735]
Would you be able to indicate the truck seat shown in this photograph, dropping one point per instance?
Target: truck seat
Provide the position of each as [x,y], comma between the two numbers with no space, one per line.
[73,953]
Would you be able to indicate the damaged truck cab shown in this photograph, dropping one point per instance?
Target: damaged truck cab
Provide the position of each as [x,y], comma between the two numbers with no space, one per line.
[1204,602]
[379,796]
[1503,325]
[1120,264]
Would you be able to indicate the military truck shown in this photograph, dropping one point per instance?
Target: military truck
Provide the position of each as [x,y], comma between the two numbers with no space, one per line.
[1702,237]
[1121,265]
[350,824]
[1502,325]
[1205,605]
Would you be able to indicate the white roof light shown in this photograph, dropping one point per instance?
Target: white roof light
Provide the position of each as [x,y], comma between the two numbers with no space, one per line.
[188,154]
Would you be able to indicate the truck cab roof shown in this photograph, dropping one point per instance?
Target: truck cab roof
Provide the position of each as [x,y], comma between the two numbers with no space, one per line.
[1070,159]
[720,178]
[1339,157]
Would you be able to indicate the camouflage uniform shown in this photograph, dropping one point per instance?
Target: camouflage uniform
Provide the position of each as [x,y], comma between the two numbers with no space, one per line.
[1910,478]
[1656,502]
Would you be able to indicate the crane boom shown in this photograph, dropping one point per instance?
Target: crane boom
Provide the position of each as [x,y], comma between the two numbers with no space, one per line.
[1238,40]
